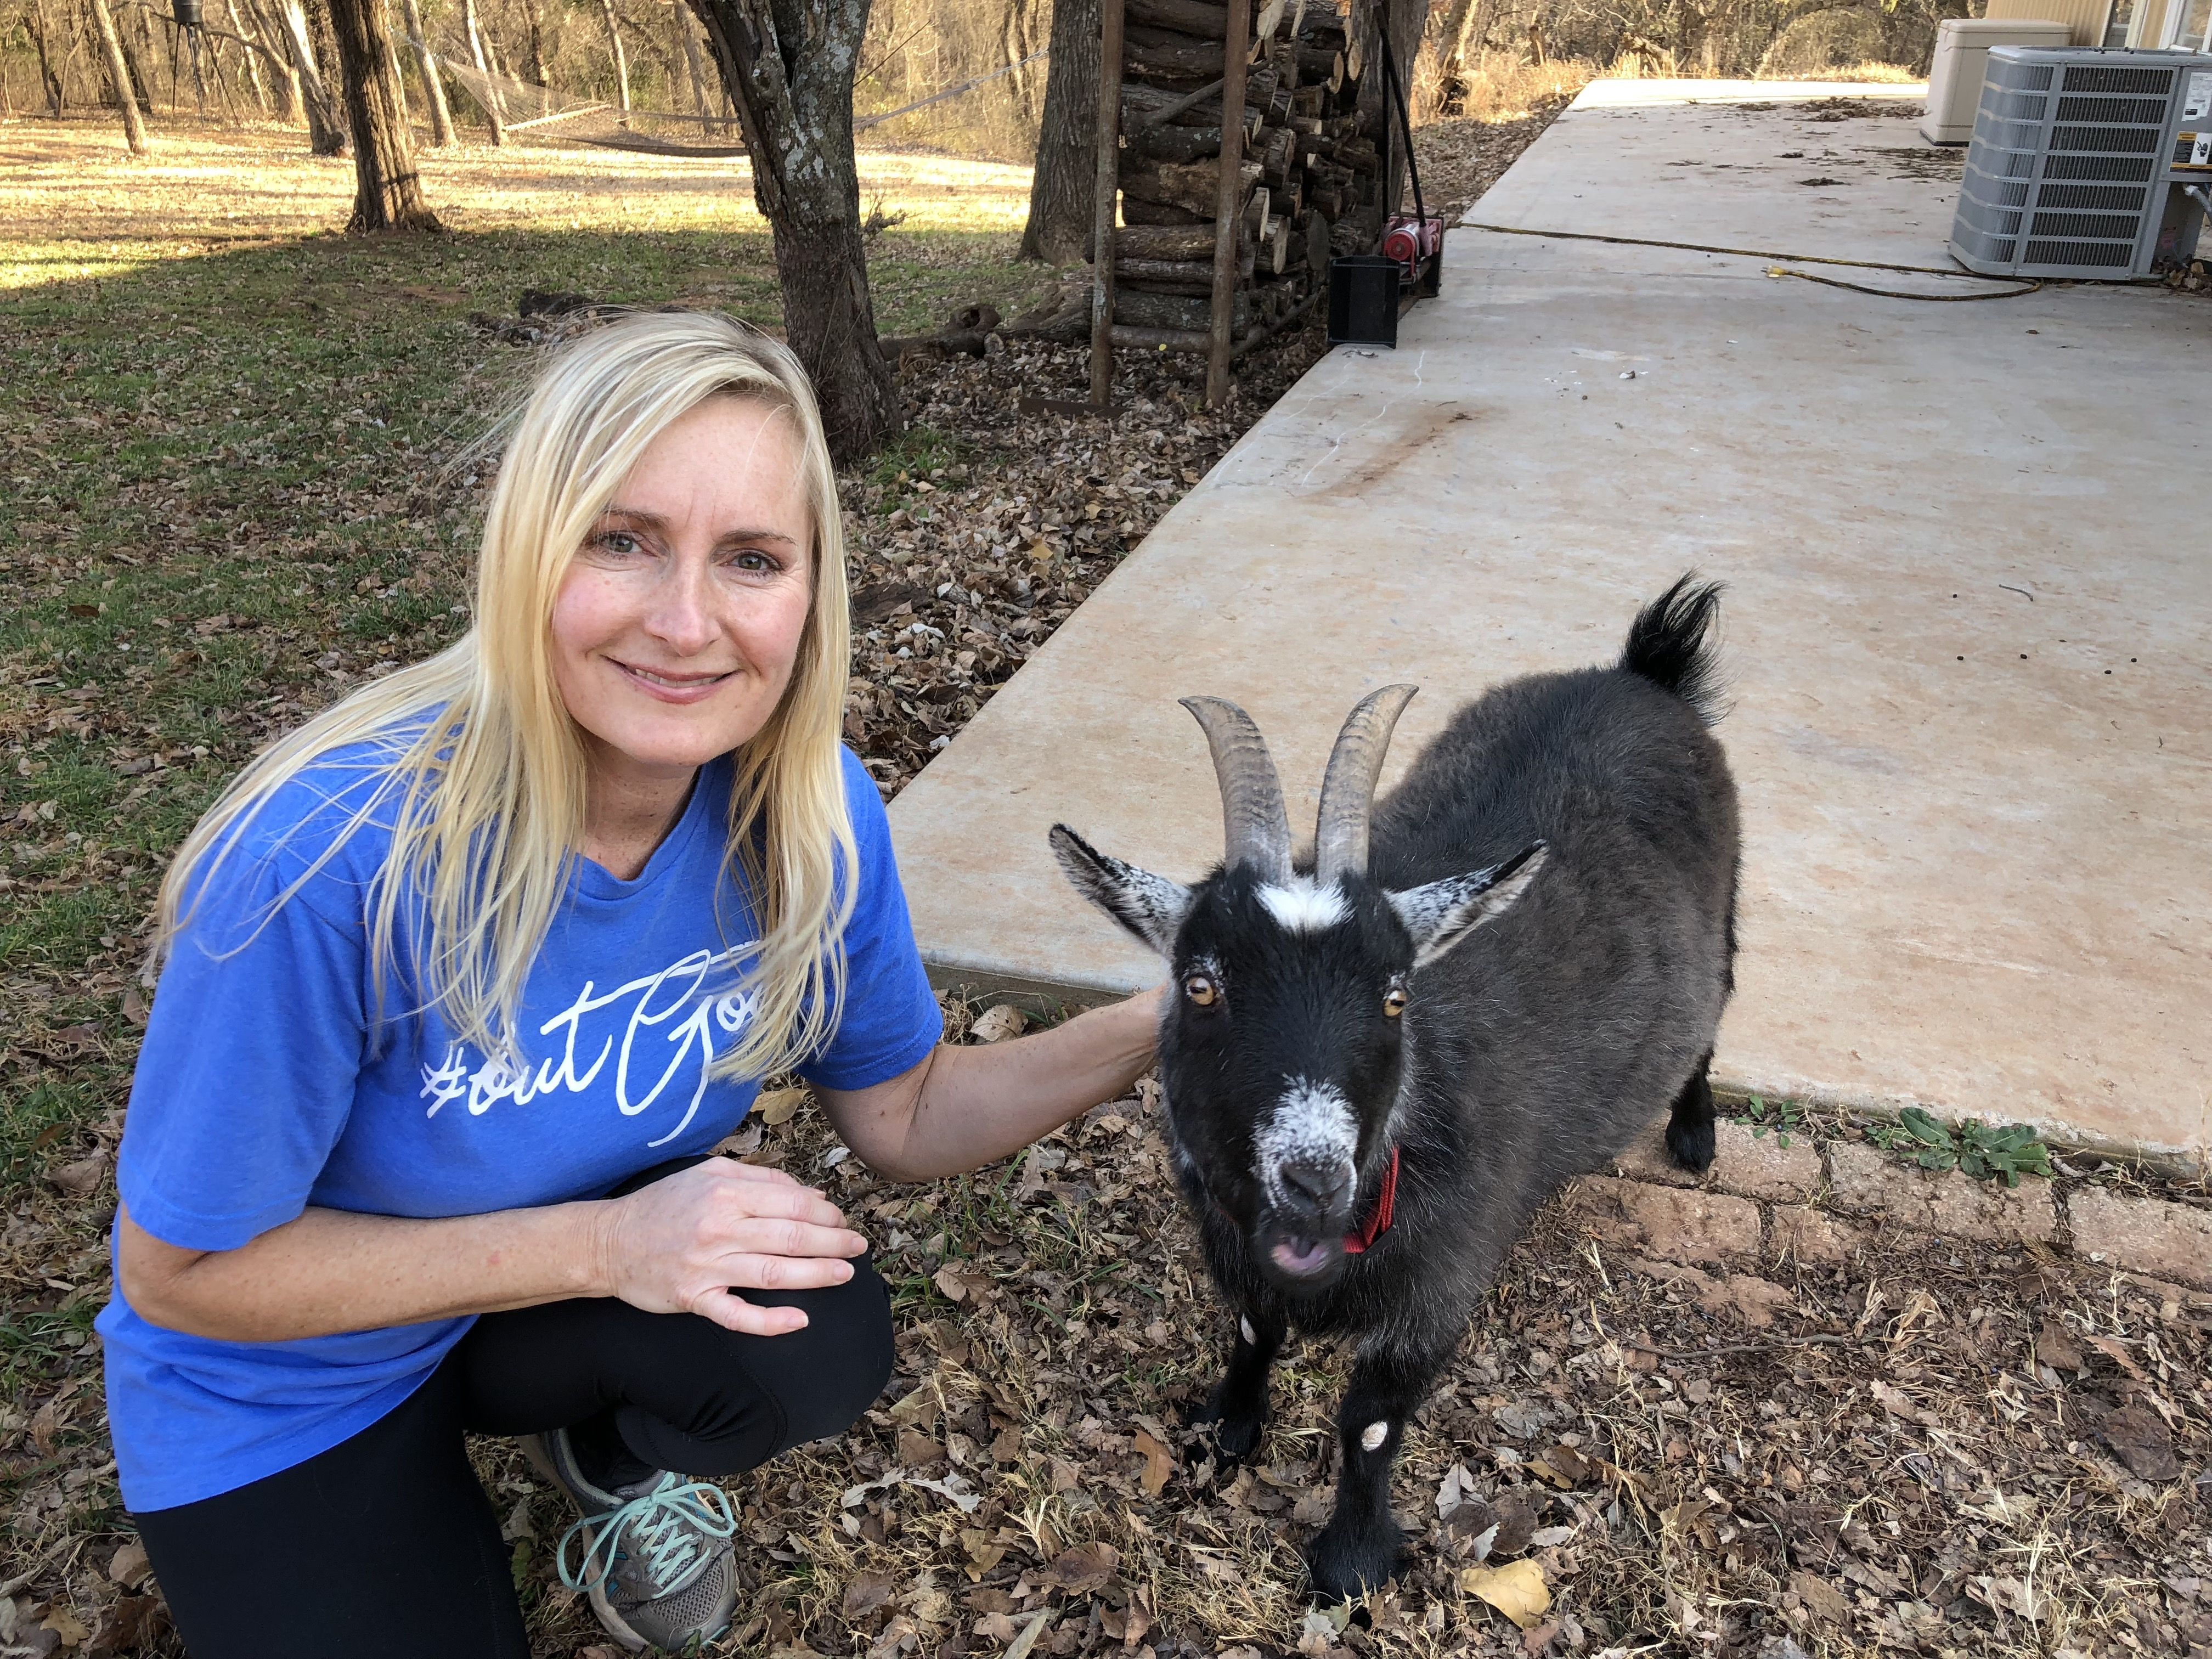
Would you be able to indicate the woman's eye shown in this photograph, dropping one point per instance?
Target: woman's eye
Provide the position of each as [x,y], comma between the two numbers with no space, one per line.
[754,563]
[618,544]
[1202,990]
[1393,1001]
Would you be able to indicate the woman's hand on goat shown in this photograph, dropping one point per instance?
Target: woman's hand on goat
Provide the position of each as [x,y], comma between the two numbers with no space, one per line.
[686,1242]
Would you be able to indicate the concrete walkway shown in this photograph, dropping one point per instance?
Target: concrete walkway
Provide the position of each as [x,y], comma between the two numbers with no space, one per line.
[1969,618]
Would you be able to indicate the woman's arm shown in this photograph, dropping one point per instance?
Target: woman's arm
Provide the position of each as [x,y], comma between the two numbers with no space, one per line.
[680,1245]
[964,1107]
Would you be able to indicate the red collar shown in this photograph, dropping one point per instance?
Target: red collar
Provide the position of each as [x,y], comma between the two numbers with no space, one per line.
[1385,1209]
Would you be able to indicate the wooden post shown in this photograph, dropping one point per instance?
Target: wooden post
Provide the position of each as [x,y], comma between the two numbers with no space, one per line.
[1229,204]
[1110,188]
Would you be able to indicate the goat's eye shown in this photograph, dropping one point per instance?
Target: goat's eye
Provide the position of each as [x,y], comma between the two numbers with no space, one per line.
[1202,990]
[1393,1001]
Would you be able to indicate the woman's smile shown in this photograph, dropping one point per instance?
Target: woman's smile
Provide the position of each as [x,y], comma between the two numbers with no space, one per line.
[673,685]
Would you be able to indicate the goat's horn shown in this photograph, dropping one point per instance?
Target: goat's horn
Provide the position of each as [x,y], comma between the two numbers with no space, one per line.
[1347,788]
[1255,829]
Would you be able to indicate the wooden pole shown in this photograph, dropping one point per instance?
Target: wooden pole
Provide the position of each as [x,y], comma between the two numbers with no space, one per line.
[1229,204]
[1109,187]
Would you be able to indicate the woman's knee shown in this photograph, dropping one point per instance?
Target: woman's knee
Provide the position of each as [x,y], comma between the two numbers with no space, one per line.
[837,1365]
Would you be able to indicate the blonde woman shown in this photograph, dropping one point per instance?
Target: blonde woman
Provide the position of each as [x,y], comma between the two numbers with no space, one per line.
[464,979]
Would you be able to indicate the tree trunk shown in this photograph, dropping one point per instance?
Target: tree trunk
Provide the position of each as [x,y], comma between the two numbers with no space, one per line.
[533,14]
[490,99]
[788,67]
[134,130]
[622,58]
[391,61]
[245,31]
[326,133]
[287,74]
[687,40]
[388,191]
[34,15]
[434,83]
[1061,205]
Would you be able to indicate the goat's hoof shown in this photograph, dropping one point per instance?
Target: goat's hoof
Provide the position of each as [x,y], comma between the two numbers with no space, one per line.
[1345,1562]
[1693,1145]
[1237,1429]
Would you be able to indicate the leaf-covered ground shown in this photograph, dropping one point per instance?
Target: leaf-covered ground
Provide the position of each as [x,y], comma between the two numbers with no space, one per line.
[232,451]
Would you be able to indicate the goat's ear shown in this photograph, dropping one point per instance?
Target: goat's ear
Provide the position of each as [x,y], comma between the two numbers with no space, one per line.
[1151,907]
[1440,914]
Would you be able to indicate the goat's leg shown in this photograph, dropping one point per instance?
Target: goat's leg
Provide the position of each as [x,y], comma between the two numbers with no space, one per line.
[1690,1130]
[1358,1551]
[1238,1404]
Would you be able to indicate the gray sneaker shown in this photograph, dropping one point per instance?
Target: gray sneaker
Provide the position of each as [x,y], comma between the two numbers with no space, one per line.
[658,1564]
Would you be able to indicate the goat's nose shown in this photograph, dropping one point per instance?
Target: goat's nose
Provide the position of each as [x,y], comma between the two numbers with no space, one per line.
[1320,1185]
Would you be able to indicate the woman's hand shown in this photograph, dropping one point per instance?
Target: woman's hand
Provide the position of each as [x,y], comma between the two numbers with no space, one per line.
[684,1243]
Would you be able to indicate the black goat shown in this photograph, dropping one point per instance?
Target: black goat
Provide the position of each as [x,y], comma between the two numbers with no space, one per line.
[1365,1106]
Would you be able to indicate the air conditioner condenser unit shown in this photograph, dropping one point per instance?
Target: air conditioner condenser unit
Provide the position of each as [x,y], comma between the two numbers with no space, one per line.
[2066,174]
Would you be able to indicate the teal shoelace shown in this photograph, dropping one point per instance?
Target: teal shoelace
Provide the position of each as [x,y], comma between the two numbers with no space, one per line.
[663,1526]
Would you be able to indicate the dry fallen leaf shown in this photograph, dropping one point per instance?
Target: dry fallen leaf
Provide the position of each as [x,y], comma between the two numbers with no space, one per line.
[996,1025]
[1159,1465]
[80,1178]
[64,1623]
[1027,1638]
[865,1595]
[1090,1567]
[1827,1601]
[1517,1590]
[777,1107]
[128,1566]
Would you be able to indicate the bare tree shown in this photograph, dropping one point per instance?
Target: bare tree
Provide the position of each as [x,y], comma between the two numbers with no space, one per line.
[284,73]
[118,70]
[1062,190]
[788,67]
[326,133]
[388,190]
[50,74]
[622,57]
[490,99]
[434,83]
[245,31]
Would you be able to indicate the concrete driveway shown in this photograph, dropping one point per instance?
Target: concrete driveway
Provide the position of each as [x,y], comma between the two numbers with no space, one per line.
[1969,623]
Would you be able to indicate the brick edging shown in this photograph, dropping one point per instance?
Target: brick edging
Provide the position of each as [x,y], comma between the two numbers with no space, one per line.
[1815,1200]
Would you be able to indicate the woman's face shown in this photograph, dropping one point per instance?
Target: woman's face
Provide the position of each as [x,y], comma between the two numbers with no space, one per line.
[676,629]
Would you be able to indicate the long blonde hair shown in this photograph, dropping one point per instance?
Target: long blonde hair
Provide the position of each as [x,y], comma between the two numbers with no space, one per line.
[481,768]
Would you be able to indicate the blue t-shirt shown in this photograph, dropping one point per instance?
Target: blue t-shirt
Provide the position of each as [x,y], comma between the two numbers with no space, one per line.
[262,1089]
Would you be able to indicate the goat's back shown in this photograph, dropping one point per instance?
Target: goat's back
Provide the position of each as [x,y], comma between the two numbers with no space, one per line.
[1552,1034]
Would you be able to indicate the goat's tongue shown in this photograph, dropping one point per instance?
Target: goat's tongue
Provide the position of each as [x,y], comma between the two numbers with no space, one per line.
[1299,1255]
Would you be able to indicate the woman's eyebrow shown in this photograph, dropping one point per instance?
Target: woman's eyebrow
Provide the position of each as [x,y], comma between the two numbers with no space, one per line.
[655,521]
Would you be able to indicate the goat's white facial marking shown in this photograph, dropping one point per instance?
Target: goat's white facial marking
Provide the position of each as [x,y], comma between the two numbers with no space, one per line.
[1244,1330]
[1374,1434]
[1300,906]
[1312,1125]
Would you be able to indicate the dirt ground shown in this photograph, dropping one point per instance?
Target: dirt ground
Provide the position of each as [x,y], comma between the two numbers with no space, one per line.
[1928,1448]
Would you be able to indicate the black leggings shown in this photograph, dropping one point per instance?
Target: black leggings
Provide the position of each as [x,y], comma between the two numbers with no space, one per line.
[386,1544]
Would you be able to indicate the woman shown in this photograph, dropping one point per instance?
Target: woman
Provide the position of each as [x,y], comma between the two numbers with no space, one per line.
[464,981]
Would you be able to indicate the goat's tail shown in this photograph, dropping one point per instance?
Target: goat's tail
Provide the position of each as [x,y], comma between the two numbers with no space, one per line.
[1670,644]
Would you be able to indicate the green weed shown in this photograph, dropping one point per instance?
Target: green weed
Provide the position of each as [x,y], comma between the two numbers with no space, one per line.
[1982,1150]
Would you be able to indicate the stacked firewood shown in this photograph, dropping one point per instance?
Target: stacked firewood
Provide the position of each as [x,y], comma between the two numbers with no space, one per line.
[1307,181]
